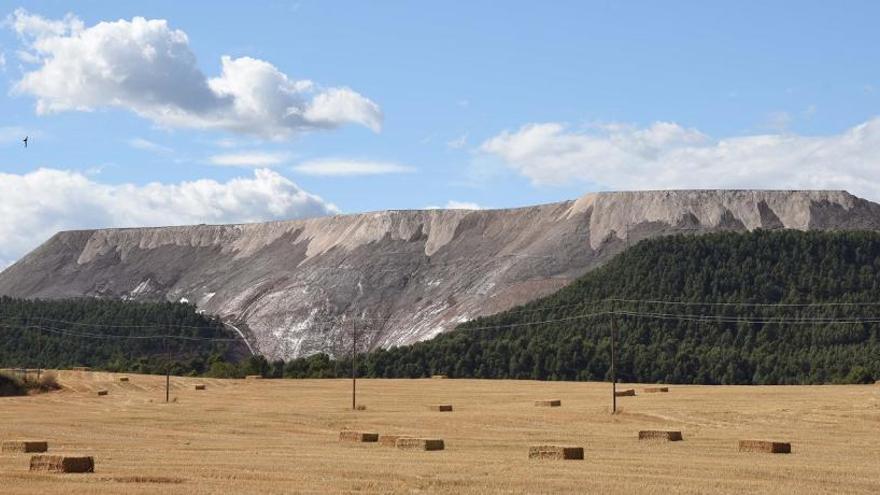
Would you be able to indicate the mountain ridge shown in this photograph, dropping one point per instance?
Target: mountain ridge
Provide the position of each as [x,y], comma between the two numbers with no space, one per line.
[411,273]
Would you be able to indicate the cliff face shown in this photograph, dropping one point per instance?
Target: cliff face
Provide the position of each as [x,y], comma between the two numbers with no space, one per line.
[404,275]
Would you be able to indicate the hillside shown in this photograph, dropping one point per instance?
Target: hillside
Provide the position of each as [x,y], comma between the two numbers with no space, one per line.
[411,274]
[113,335]
[776,332]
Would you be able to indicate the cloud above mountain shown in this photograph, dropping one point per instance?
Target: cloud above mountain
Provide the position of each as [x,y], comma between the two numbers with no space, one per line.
[38,204]
[147,67]
[667,155]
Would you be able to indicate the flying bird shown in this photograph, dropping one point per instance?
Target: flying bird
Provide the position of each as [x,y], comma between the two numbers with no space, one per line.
[25,141]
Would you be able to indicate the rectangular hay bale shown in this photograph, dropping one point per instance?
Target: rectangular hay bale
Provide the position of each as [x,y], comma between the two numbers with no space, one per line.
[358,436]
[102,392]
[556,452]
[200,386]
[548,403]
[441,407]
[764,446]
[407,443]
[24,446]
[390,440]
[668,435]
[655,390]
[123,378]
[625,393]
[63,463]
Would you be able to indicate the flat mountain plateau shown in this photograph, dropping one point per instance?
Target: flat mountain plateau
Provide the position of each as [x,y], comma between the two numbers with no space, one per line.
[298,287]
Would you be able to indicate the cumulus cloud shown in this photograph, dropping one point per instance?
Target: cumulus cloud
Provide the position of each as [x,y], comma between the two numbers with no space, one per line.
[342,167]
[38,204]
[248,159]
[147,67]
[458,143]
[667,155]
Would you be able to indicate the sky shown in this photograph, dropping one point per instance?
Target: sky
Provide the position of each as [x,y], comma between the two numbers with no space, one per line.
[168,112]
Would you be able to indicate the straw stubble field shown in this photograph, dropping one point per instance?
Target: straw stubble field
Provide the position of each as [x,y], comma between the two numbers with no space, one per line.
[280,437]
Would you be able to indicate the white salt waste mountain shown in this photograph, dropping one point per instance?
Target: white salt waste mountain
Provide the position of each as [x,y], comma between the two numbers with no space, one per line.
[404,276]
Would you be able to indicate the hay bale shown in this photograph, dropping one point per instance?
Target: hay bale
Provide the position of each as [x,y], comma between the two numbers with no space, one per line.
[441,407]
[200,386]
[63,463]
[123,378]
[764,446]
[253,377]
[24,446]
[655,390]
[548,403]
[438,377]
[419,444]
[556,452]
[358,436]
[102,392]
[670,436]
[625,393]
[390,440]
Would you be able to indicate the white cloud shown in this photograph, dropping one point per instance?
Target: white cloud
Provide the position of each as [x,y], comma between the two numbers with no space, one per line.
[457,205]
[38,204]
[667,155]
[147,145]
[147,67]
[249,159]
[2,60]
[458,143]
[343,167]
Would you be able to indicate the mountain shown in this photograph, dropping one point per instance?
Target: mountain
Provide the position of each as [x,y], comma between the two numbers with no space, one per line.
[764,307]
[402,276]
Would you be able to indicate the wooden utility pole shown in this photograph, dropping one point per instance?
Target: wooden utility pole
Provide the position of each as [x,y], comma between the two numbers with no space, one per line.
[167,371]
[613,370]
[354,338]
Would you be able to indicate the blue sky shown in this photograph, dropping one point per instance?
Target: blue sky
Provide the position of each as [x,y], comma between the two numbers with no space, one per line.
[446,103]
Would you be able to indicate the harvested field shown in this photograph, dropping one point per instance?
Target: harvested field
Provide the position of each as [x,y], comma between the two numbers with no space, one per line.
[281,436]
[63,463]
[548,403]
[24,446]
[419,444]
[666,435]
[764,446]
[556,452]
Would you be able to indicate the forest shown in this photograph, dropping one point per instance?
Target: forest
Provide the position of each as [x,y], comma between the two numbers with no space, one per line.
[767,307]
[114,335]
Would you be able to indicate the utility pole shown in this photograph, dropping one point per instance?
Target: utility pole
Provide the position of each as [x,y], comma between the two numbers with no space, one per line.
[613,370]
[354,337]
[167,371]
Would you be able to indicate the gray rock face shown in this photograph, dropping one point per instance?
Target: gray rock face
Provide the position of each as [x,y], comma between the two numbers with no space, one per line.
[403,275]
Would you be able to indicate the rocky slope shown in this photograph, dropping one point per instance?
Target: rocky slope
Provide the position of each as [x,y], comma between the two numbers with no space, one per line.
[402,276]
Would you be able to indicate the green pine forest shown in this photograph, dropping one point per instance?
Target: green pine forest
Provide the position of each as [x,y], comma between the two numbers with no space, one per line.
[774,345]
[94,333]
[767,307]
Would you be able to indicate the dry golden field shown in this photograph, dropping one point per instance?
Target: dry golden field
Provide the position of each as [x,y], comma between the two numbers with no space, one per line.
[280,437]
